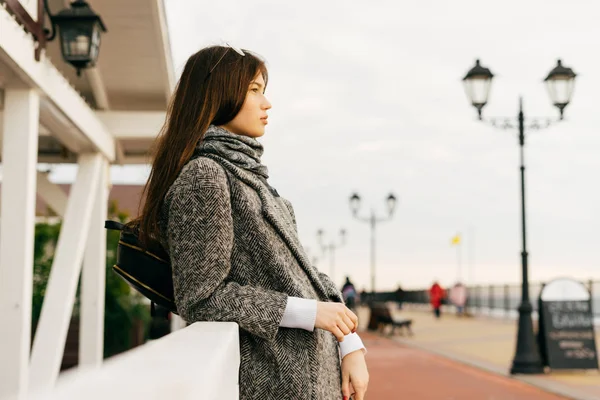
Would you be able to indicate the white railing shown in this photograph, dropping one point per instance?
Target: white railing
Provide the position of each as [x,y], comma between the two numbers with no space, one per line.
[200,361]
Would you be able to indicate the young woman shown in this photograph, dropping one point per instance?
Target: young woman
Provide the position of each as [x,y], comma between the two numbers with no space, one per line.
[233,242]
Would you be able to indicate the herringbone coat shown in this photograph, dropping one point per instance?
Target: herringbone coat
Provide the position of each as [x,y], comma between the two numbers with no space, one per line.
[236,257]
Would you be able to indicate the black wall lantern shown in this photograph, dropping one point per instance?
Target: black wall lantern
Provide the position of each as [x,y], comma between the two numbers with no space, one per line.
[79,30]
[79,27]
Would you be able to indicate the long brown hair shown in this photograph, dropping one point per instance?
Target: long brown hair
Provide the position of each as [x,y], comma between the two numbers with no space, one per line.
[201,98]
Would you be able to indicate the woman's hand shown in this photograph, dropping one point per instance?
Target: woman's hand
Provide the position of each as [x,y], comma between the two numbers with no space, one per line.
[336,318]
[355,377]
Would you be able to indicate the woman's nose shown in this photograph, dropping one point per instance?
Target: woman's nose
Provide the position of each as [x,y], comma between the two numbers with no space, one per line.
[266,104]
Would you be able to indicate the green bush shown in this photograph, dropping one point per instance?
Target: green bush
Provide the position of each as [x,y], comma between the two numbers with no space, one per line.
[123,307]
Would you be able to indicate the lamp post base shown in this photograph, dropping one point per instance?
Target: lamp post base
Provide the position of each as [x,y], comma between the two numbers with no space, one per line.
[527,358]
[529,367]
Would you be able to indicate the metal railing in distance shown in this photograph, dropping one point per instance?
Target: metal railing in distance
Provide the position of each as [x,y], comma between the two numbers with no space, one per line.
[492,300]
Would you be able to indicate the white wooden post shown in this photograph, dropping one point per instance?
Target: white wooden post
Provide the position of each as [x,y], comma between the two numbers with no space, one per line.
[93,277]
[19,157]
[49,342]
[52,194]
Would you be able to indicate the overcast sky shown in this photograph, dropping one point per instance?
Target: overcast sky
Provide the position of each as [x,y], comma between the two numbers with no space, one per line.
[367,97]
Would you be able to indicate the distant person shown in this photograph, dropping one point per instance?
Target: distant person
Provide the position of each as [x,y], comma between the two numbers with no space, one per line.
[436,295]
[458,297]
[399,296]
[349,294]
[363,297]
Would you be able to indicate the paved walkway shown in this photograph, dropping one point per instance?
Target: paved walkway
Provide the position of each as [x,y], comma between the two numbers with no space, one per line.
[472,350]
[399,372]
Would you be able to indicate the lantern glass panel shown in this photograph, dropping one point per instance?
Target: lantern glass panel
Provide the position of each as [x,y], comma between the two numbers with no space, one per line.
[478,89]
[76,39]
[560,89]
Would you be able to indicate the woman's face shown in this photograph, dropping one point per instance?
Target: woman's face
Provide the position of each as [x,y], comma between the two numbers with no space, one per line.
[252,118]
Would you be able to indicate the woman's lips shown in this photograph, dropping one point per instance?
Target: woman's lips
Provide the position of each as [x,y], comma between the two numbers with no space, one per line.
[264,120]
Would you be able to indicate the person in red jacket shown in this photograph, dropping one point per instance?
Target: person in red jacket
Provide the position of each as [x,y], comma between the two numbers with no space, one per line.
[436,295]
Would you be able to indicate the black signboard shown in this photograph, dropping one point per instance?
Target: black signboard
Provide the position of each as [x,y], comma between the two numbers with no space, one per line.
[566,334]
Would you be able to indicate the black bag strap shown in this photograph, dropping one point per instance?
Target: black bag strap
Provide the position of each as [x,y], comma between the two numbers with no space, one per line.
[113,225]
[159,311]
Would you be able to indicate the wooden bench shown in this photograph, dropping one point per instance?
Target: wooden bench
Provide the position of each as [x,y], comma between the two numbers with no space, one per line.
[381,317]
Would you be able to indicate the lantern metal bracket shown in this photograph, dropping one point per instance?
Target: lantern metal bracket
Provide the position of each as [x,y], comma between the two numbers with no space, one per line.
[507,123]
[33,27]
[49,36]
[333,245]
[539,123]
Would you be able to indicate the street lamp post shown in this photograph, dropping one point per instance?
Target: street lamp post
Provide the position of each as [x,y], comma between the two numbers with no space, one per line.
[331,248]
[373,219]
[560,83]
[313,259]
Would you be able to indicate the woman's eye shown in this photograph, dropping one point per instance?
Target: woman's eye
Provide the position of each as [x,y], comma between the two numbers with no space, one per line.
[255,90]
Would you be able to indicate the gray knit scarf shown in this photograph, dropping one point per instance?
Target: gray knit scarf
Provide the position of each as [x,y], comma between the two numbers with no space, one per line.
[242,151]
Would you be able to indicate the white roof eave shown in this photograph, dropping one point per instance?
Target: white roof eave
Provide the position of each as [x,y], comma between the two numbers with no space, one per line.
[17,48]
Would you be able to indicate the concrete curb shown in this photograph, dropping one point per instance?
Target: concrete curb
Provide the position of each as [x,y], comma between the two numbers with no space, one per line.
[551,387]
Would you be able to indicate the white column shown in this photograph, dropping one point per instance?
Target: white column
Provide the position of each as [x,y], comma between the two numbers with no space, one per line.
[19,157]
[91,319]
[52,194]
[49,342]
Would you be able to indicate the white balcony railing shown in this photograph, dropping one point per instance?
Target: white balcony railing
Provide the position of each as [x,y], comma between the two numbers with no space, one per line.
[200,361]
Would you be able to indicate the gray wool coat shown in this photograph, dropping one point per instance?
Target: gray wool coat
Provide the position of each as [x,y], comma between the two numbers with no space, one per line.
[236,256]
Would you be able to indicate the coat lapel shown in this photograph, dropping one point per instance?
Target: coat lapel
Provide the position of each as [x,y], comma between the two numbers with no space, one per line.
[279,217]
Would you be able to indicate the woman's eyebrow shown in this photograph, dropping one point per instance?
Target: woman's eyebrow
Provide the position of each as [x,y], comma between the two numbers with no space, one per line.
[256,83]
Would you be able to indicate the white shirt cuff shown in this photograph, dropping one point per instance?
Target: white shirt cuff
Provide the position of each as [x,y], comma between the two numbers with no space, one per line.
[351,343]
[299,313]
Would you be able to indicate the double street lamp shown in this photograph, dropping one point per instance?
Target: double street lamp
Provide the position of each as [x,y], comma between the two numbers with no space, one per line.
[330,248]
[373,219]
[560,82]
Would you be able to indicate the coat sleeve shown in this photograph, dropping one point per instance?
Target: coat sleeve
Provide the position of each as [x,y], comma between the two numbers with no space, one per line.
[332,291]
[200,241]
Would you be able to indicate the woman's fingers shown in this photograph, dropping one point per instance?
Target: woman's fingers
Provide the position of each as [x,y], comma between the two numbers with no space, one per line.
[352,391]
[359,389]
[352,317]
[343,325]
[336,318]
[359,394]
[349,323]
[346,386]
[338,334]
